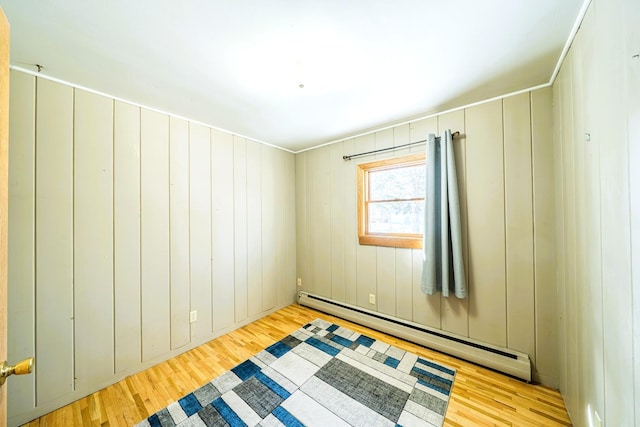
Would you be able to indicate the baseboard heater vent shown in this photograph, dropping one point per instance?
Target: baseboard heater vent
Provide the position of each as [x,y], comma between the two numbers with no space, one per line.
[501,359]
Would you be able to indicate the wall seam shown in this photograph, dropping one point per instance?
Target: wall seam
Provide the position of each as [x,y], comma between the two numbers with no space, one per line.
[73,236]
[533,231]
[246,228]
[170,267]
[35,235]
[140,214]
[191,326]
[234,216]
[634,332]
[211,216]
[466,206]
[505,226]
[113,230]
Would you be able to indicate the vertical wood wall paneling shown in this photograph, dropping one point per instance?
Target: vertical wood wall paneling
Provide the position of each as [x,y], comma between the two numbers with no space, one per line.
[350,226]
[578,152]
[126,218]
[292,253]
[322,226]
[616,221]
[301,220]
[560,232]
[223,226]
[311,231]
[287,287]
[592,348]
[283,286]
[402,136]
[254,228]
[594,94]
[54,241]
[319,220]
[156,314]
[570,234]
[366,260]
[632,69]
[544,237]
[385,256]
[200,229]
[519,224]
[403,256]
[240,226]
[490,166]
[287,260]
[93,238]
[426,308]
[485,198]
[21,243]
[419,131]
[109,202]
[273,230]
[179,211]
[454,311]
[338,212]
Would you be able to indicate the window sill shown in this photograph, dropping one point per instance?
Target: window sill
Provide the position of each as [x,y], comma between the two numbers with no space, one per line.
[391,241]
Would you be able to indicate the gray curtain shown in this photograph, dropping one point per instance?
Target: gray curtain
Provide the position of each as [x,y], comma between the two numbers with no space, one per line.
[443,267]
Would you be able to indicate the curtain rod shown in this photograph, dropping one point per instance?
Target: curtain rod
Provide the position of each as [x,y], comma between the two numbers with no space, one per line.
[453,135]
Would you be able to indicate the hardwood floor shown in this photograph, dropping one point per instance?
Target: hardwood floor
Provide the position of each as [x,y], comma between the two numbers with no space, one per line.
[480,397]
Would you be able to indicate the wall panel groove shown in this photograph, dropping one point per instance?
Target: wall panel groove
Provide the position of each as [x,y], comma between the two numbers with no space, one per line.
[594,99]
[155,229]
[54,240]
[199,211]
[495,180]
[254,229]
[126,236]
[519,223]
[222,229]
[179,233]
[93,237]
[240,227]
[122,221]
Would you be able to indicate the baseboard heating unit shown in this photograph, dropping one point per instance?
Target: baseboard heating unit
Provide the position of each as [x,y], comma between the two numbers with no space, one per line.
[500,359]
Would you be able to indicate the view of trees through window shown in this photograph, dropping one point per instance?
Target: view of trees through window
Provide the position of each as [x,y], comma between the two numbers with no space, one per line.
[396,200]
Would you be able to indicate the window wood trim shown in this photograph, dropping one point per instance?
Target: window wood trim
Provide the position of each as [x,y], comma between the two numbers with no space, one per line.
[413,241]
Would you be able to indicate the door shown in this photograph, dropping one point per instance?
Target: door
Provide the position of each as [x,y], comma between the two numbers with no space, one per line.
[4,210]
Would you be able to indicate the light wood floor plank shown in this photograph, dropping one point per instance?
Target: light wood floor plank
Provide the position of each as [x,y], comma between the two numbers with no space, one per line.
[480,397]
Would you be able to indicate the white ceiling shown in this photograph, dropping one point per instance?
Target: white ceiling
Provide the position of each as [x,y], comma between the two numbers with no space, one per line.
[237,65]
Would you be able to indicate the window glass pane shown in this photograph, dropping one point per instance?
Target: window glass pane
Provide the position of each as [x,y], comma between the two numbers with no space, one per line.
[399,183]
[396,217]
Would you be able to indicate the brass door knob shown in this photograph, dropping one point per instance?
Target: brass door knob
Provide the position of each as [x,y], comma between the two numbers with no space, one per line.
[20,368]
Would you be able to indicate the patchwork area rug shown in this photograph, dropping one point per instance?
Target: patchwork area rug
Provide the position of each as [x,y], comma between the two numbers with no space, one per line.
[320,375]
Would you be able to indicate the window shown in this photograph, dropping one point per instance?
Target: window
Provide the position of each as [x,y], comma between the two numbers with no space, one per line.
[391,202]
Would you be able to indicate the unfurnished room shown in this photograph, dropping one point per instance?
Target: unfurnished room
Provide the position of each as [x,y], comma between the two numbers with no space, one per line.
[320,213]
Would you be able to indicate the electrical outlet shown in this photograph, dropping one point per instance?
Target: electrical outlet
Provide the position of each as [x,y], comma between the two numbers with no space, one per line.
[299,282]
[193,316]
[372,299]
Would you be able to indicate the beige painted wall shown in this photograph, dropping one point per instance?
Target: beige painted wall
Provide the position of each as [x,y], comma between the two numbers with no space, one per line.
[122,221]
[505,175]
[598,216]
[514,198]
